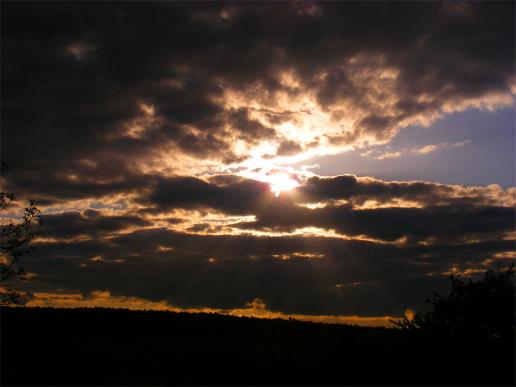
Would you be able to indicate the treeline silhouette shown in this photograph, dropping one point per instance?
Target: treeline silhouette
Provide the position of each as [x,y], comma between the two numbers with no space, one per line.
[44,346]
[484,309]
[15,238]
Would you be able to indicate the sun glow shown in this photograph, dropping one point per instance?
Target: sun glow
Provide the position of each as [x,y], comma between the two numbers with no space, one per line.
[280,178]
[281,182]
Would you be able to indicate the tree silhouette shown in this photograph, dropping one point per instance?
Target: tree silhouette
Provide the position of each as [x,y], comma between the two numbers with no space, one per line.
[14,240]
[480,309]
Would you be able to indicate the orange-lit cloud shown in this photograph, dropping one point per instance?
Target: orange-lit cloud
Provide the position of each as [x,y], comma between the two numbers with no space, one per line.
[256,308]
[286,99]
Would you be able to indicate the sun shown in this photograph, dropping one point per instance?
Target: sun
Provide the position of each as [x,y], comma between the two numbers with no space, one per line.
[281,182]
[279,178]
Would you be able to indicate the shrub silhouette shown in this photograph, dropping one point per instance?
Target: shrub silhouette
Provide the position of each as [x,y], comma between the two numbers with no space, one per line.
[482,309]
[14,240]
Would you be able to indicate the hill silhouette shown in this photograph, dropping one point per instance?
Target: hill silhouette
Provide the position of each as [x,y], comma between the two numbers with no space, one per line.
[44,346]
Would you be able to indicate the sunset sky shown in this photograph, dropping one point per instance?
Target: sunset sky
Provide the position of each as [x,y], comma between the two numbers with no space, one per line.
[331,161]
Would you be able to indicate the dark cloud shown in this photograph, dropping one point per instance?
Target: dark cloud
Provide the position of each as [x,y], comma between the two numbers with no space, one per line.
[360,190]
[75,77]
[112,101]
[288,148]
[376,124]
[292,273]
[247,128]
[90,223]
[78,179]
[242,197]
[341,278]
[446,212]
[445,223]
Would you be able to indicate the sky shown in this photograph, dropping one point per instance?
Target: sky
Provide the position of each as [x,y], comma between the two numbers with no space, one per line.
[331,161]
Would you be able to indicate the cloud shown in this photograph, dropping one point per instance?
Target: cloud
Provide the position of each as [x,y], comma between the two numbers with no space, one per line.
[273,80]
[379,249]
[226,271]
[325,248]
[149,146]
[253,309]
[287,148]
[190,192]
[89,223]
[378,154]
[414,151]
[389,155]
[351,206]
[448,223]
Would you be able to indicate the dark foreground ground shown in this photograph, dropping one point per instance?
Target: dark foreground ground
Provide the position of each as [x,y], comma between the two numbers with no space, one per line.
[120,347]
